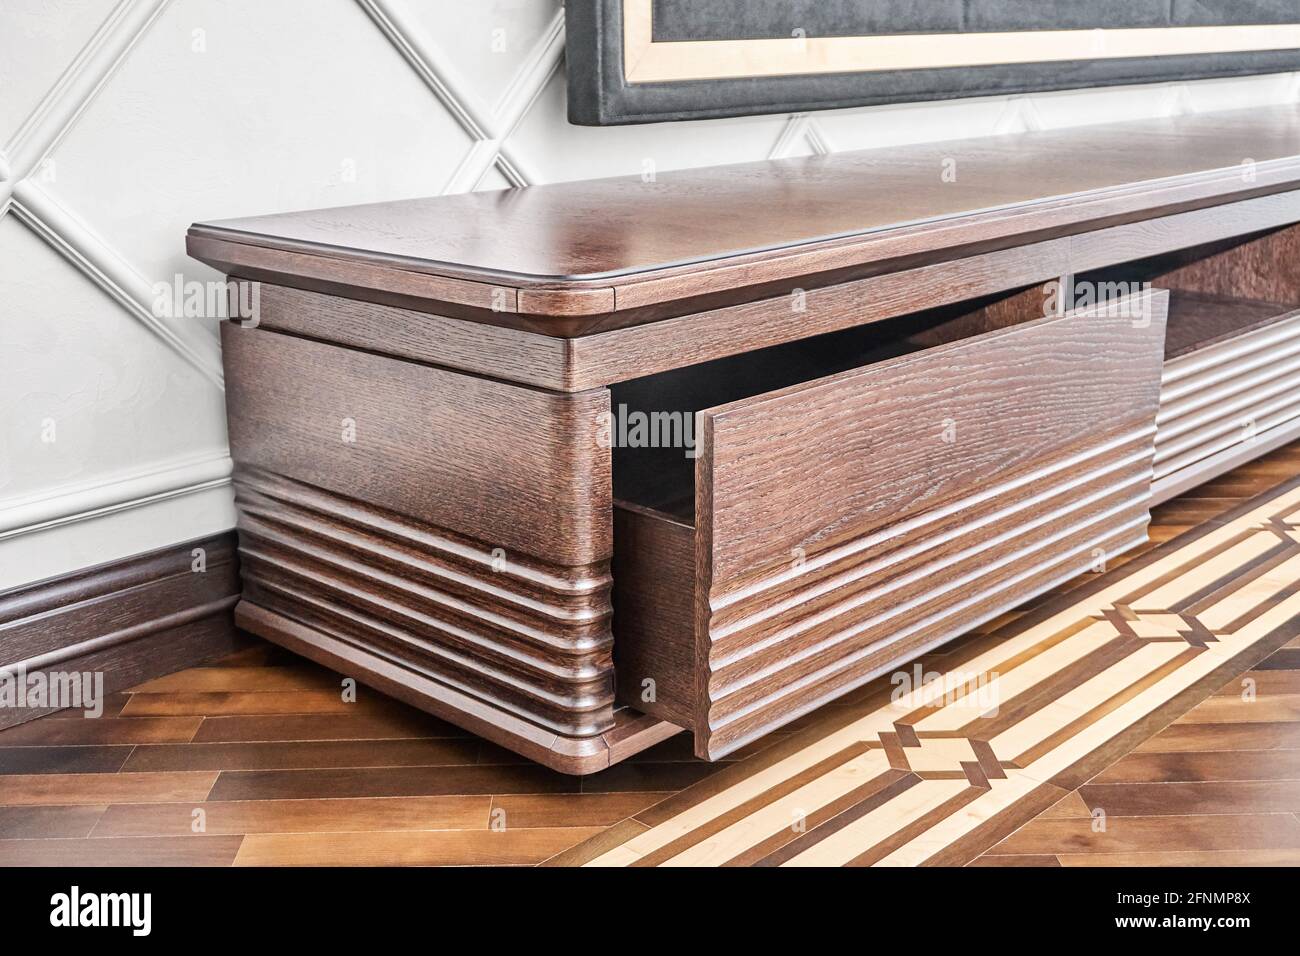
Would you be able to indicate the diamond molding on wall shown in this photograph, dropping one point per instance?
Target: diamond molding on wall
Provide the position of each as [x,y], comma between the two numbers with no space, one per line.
[490,129]
[512,122]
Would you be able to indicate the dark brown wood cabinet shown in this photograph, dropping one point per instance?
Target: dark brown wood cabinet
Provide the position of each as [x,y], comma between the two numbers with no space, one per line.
[582,466]
[844,525]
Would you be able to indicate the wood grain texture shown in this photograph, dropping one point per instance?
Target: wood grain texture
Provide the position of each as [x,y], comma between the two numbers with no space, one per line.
[338,276]
[654,658]
[525,847]
[424,500]
[778,312]
[570,810]
[1262,268]
[1202,766]
[1072,684]
[838,534]
[1231,763]
[455,552]
[1158,235]
[1164,834]
[365,779]
[62,759]
[629,732]
[638,342]
[517,468]
[106,731]
[809,589]
[300,755]
[1198,320]
[236,818]
[700,231]
[129,620]
[529,638]
[130,851]
[794,468]
[399,724]
[1173,858]
[1176,799]
[643,342]
[46,789]
[238,703]
[48,823]
[512,355]
[334,783]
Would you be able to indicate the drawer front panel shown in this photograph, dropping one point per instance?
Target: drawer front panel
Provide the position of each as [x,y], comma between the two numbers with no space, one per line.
[846,525]
[517,468]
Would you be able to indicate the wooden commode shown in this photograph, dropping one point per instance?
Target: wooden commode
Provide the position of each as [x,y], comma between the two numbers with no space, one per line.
[579,466]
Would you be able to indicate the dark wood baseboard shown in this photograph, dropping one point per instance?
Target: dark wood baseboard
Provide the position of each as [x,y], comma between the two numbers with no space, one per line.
[130,620]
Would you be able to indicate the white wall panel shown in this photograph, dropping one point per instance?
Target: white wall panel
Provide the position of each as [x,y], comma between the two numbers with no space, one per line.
[87,390]
[39,39]
[121,121]
[239,107]
[479,45]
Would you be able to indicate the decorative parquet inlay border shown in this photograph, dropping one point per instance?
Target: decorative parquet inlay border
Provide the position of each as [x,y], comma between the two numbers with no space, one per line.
[925,777]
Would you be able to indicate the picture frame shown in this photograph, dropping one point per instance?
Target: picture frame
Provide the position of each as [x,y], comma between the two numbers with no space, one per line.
[647,61]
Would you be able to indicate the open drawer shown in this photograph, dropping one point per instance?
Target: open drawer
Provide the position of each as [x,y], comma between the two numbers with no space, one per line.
[822,532]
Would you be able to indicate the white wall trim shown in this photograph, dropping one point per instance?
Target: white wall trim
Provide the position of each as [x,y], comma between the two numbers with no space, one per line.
[800,126]
[393,24]
[539,66]
[50,121]
[492,129]
[37,137]
[74,240]
[69,504]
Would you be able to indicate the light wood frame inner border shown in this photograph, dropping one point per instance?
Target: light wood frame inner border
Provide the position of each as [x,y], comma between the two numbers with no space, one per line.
[647,61]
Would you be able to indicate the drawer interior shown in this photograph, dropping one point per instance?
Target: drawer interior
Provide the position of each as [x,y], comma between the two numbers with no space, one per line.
[1217,292]
[655,440]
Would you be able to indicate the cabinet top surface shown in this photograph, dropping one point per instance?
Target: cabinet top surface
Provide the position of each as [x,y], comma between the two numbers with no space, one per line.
[620,231]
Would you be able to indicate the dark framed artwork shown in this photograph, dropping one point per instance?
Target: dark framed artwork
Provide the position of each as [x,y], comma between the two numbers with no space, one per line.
[646,61]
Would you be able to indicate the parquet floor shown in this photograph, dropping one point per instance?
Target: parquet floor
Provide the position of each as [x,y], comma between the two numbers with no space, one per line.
[259,759]
[1218,787]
